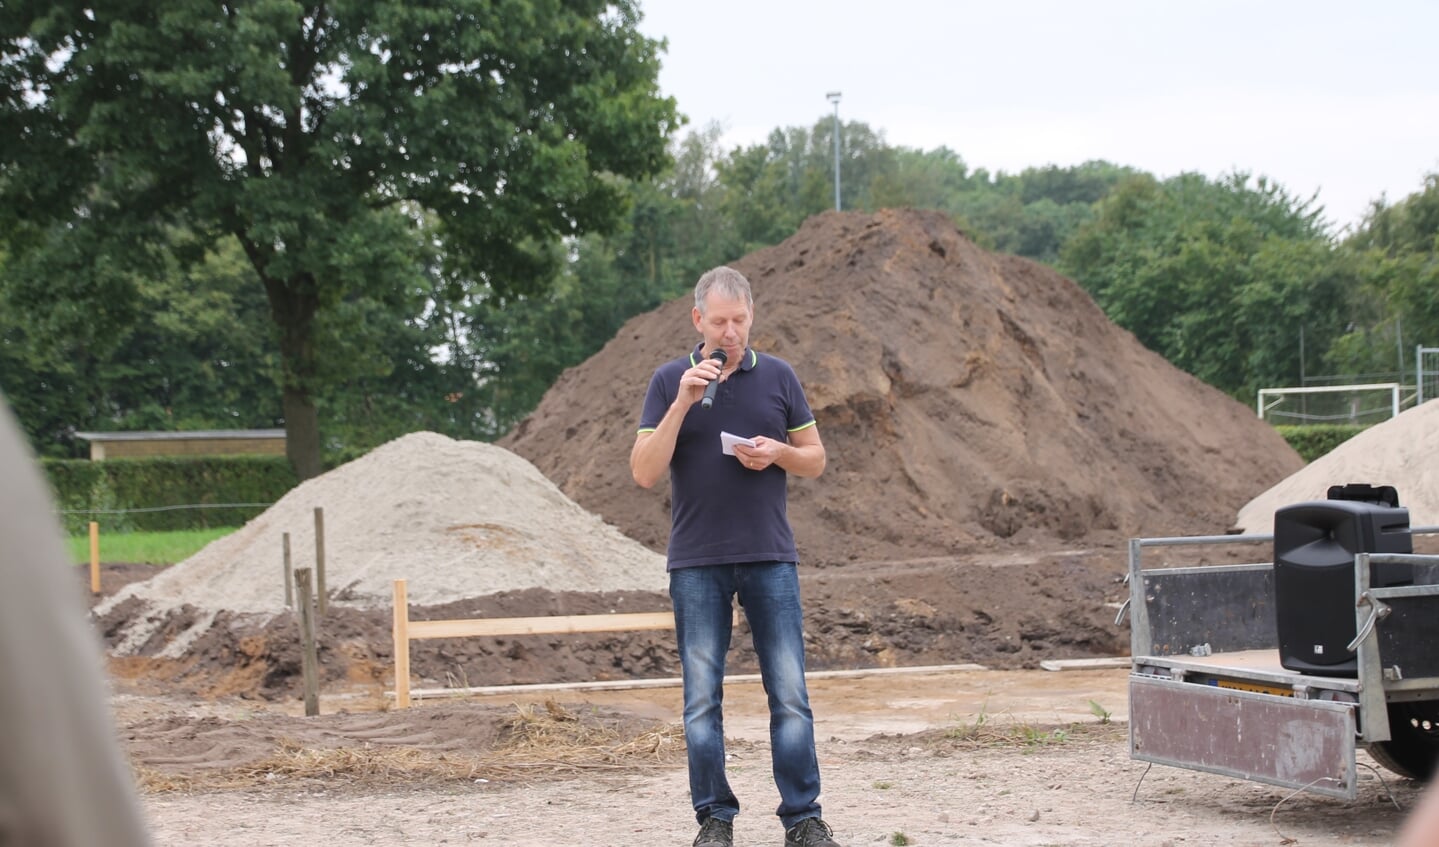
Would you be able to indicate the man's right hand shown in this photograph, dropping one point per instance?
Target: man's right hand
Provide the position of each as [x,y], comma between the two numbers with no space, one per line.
[694,381]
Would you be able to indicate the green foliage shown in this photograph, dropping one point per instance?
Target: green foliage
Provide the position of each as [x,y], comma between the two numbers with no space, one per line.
[971,730]
[985,731]
[671,236]
[899,839]
[1409,226]
[1311,442]
[923,179]
[1218,277]
[1099,712]
[1037,737]
[89,490]
[198,353]
[322,137]
[1397,251]
[1034,213]
[771,188]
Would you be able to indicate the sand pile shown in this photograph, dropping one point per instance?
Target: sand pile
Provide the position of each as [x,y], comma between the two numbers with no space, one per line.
[968,399]
[1402,452]
[455,519]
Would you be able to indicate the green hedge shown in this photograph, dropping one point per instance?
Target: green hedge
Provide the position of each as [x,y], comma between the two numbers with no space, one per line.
[86,490]
[1311,442]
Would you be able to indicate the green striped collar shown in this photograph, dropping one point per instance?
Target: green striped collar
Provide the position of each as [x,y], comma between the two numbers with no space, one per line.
[751,358]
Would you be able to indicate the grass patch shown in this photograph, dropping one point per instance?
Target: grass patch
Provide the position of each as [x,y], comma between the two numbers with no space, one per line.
[1099,712]
[151,548]
[984,731]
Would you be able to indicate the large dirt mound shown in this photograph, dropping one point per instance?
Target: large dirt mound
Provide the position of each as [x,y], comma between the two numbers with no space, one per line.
[965,398]
[1399,452]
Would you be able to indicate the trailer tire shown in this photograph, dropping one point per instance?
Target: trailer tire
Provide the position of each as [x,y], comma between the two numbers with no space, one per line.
[1413,747]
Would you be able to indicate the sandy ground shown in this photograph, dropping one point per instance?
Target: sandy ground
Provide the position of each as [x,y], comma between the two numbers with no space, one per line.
[903,757]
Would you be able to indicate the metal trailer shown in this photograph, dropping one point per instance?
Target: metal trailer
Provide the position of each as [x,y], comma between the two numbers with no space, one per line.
[1207,690]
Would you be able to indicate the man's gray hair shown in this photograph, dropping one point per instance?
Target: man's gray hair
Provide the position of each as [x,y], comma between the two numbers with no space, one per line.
[726,282]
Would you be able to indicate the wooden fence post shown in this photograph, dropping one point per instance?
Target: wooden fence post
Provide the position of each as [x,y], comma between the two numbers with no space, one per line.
[402,646]
[309,662]
[289,591]
[94,557]
[320,560]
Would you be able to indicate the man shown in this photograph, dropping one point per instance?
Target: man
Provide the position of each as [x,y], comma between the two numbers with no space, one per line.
[63,780]
[730,537]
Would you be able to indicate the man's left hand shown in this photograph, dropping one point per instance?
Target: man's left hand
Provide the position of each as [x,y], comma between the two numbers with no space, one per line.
[765,452]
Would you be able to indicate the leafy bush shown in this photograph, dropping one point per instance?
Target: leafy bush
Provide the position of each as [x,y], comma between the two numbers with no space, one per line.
[1311,442]
[89,490]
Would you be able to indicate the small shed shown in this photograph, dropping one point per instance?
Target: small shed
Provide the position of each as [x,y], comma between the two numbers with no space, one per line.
[204,442]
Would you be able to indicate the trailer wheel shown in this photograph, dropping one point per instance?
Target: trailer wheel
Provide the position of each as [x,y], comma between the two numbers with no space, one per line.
[1413,748]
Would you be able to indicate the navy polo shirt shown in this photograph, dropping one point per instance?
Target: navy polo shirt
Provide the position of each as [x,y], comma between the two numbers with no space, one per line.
[722,512]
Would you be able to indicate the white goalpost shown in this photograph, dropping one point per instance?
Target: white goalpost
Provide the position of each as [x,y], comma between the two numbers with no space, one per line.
[1426,380]
[1330,403]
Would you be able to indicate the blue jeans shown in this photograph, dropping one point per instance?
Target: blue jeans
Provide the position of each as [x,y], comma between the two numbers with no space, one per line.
[769,594]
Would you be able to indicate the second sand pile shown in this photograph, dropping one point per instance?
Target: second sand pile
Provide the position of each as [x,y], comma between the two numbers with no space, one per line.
[455,519]
[1399,452]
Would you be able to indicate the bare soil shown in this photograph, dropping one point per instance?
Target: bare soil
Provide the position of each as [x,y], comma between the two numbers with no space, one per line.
[1006,756]
[1007,609]
[991,757]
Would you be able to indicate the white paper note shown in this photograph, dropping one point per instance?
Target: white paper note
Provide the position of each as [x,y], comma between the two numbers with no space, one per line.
[728,441]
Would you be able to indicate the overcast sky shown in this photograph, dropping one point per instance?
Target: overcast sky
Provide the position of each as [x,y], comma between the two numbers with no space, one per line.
[1338,99]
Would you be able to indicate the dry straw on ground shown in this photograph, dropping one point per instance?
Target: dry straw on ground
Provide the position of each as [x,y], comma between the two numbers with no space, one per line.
[538,742]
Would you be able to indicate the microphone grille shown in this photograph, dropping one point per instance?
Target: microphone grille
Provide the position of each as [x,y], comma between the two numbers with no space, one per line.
[719,355]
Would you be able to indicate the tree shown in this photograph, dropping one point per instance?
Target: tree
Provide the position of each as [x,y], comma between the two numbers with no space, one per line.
[764,189]
[319,136]
[1407,236]
[676,229]
[190,350]
[520,344]
[771,188]
[1218,277]
[923,179]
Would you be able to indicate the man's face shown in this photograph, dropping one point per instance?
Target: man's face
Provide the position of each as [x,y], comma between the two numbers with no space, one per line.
[725,324]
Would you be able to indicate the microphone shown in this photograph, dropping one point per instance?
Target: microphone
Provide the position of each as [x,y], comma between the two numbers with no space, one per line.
[710,390]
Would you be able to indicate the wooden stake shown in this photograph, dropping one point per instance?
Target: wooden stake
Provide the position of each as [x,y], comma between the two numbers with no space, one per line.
[402,646]
[94,557]
[289,592]
[309,661]
[320,559]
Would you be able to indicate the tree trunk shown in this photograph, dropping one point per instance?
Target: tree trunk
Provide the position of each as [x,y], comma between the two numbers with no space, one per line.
[302,432]
[293,305]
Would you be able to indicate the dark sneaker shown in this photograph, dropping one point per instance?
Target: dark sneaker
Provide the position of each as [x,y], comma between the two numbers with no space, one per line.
[715,833]
[810,832]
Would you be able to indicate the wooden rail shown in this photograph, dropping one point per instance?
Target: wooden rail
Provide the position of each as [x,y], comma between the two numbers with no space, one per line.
[407,630]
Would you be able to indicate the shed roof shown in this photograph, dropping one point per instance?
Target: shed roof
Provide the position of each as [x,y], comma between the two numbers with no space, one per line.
[191,435]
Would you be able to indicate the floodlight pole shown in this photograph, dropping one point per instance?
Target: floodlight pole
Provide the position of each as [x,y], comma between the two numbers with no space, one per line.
[834,98]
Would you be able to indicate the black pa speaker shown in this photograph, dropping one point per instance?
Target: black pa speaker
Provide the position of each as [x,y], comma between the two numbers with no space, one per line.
[1314,548]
